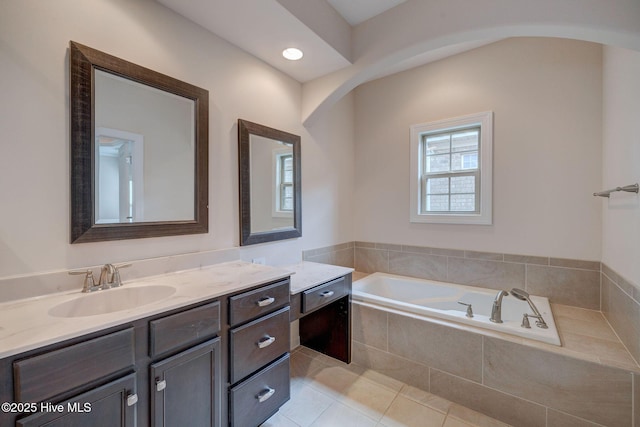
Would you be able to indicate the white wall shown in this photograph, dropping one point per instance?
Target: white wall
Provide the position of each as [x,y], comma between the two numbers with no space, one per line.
[621,161]
[546,95]
[34,118]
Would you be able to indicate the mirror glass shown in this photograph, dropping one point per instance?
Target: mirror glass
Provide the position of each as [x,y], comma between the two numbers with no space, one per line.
[139,151]
[269,184]
[145,144]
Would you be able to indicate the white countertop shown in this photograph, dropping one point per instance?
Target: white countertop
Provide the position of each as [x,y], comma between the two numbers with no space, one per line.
[26,324]
[309,274]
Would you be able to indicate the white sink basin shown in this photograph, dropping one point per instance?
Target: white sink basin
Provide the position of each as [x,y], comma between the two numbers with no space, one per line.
[111,301]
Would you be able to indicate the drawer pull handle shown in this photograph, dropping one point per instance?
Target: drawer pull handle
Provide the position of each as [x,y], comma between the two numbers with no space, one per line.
[161,385]
[266,341]
[326,294]
[132,399]
[266,301]
[265,394]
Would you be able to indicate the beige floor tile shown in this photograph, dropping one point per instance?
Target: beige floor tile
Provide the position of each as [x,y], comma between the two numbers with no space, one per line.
[379,378]
[303,366]
[322,358]
[333,380]
[305,406]
[426,398]
[405,412]
[338,415]
[369,398]
[279,420]
[454,422]
[471,417]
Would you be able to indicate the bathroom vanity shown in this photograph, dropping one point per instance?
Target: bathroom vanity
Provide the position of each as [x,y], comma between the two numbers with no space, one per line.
[216,352]
[321,301]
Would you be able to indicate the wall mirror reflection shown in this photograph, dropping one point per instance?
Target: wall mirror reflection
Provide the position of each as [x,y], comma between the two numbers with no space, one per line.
[270,202]
[139,148]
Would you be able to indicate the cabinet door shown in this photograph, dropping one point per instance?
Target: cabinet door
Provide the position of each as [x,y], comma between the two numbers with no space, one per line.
[186,388]
[111,405]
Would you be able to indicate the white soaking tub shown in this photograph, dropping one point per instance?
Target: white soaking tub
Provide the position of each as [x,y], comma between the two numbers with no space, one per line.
[438,299]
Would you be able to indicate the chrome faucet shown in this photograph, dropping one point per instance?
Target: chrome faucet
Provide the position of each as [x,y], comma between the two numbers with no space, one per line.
[524,296]
[106,276]
[496,310]
[89,283]
[110,276]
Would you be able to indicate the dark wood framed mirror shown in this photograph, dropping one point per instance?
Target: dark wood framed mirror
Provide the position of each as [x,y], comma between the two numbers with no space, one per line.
[139,150]
[270,185]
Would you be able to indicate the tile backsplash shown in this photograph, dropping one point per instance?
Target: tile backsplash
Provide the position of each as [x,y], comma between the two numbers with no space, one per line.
[27,286]
[563,281]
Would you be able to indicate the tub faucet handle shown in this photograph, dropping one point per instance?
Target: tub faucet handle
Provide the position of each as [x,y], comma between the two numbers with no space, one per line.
[525,321]
[540,323]
[469,309]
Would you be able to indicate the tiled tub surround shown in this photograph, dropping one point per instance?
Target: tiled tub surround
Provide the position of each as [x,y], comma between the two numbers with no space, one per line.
[578,283]
[443,300]
[621,307]
[563,281]
[579,289]
[517,381]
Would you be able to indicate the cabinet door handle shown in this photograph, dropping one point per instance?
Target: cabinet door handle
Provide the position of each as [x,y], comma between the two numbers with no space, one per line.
[266,301]
[161,385]
[265,394]
[326,294]
[266,341]
[132,399]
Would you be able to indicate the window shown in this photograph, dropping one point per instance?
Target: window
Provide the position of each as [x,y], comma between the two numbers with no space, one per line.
[285,182]
[451,176]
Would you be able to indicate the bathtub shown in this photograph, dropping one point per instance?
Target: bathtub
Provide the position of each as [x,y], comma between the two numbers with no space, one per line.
[438,299]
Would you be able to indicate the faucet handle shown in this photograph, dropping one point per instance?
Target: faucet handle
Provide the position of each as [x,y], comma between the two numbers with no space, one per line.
[540,323]
[89,284]
[469,309]
[525,321]
[117,282]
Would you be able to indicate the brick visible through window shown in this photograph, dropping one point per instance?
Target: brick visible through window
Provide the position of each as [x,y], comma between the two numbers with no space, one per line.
[450,171]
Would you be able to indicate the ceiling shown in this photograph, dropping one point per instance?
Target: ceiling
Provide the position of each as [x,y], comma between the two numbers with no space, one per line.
[322,29]
[357,11]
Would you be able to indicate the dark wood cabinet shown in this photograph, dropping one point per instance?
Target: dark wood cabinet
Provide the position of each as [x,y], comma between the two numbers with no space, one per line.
[258,397]
[259,342]
[186,388]
[324,312]
[110,405]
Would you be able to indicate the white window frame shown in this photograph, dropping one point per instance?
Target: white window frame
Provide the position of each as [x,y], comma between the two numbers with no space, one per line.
[485,174]
[276,200]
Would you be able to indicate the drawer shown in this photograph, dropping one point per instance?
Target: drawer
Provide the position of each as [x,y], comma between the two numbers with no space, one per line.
[323,294]
[255,303]
[42,377]
[258,343]
[253,401]
[180,330]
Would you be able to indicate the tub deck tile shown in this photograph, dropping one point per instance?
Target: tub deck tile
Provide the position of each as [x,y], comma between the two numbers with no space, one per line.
[584,389]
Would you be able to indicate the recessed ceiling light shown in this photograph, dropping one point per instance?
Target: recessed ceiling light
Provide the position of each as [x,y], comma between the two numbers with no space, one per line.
[292,54]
